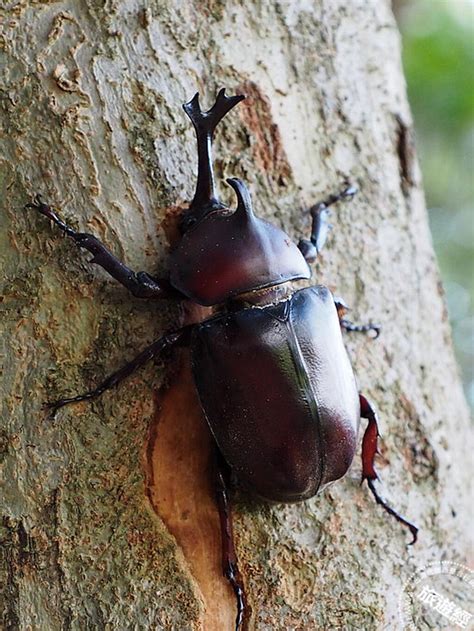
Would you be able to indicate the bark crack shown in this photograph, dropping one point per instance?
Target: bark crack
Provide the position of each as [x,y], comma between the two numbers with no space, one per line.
[405,148]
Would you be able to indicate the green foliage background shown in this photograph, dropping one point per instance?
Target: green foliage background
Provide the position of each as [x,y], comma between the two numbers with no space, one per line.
[438,42]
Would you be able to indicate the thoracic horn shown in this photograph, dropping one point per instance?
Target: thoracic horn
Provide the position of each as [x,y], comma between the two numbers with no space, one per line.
[244,202]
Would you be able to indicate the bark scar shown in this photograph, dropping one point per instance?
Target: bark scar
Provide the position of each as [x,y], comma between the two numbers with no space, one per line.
[267,145]
[406,153]
[179,486]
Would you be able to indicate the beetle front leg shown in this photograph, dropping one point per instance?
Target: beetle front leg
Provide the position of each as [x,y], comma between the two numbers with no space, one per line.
[369,450]
[180,337]
[347,325]
[141,284]
[229,557]
[310,248]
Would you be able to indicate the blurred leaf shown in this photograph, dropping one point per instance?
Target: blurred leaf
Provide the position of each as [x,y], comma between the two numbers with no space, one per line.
[439,61]
[438,55]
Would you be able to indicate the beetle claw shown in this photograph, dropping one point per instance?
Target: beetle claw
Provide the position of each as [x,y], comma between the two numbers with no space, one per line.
[376,328]
[231,573]
[414,531]
[37,204]
[50,410]
[308,250]
[349,192]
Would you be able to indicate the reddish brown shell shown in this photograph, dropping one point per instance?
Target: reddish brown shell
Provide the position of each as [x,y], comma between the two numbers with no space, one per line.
[229,253]
[279,394]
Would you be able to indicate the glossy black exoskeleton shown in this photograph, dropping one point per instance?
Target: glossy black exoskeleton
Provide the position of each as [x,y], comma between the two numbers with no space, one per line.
[271,370]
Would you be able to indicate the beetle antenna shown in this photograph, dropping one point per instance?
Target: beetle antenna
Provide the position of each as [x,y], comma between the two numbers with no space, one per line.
[205,123]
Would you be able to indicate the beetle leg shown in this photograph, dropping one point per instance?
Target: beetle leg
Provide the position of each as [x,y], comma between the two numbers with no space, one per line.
[141,284]
[180,337]
[229,557]
[310,248]
[347,325]
[369,449]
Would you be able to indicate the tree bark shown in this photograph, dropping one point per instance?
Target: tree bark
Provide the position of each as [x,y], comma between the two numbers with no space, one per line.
[107,512]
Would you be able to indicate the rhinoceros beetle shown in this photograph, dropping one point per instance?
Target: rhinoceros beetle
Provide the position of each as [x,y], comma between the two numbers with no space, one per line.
[270,367]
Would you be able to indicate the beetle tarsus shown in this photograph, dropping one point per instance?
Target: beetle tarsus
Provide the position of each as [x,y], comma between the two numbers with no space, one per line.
[381,502]
[310,248]
[140,284]
[369,450]
[46,210]
[229,556]
[179,337]
[233,576]
[347,325]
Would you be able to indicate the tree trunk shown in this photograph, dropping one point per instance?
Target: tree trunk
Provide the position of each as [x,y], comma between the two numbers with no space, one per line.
[108,516]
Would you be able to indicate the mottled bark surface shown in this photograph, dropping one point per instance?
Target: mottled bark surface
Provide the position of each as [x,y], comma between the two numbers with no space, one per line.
[90,116]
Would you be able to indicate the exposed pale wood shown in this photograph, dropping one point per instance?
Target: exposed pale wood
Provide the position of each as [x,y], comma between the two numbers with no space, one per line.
[182,494]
